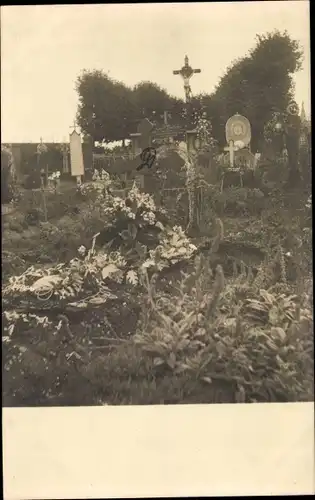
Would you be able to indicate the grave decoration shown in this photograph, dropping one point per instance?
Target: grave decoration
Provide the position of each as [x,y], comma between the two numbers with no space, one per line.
[76,156]
[283,133]
[203,128]
[54,181]
[240,158]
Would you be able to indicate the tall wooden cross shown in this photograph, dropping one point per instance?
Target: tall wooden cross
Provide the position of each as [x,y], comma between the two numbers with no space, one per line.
[186,72]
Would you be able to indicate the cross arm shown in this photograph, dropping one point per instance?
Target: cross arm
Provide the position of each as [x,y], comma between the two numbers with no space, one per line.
[197,70]
[176,72]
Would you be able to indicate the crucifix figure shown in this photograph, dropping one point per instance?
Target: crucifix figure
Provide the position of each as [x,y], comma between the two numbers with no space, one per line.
[186,72]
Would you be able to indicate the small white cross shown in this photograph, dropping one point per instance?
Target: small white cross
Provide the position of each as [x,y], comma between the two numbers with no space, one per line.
[231,148]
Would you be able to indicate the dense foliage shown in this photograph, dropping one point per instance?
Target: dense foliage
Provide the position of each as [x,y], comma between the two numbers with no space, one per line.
[256,86]
[139,313]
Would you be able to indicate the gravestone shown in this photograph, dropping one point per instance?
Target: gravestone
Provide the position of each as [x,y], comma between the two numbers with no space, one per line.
[238,137]
[238,128]
[239,159]
[76,156]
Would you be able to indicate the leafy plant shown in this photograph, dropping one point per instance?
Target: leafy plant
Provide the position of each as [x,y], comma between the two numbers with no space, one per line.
[221,331]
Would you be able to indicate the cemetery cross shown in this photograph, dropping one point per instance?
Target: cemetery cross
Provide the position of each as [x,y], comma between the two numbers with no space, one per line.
[186,72]
[231,148]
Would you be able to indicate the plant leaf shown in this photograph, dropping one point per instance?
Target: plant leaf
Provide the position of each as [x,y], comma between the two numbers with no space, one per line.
[132,277]
[274,315]
[133,231]
[158,361]
[46,283]
[171,360]
[208,380]
[278,332]
[159,225]
[109,269]
[125,234]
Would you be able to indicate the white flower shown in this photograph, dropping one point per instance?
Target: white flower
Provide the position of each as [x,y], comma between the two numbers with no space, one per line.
[95,176]
[82,250]
[149,217]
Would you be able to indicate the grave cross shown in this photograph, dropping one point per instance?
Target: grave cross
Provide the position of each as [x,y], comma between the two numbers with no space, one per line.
[231,148]
[186,72]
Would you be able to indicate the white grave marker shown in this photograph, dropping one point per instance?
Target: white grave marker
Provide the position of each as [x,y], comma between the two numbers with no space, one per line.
[76,156]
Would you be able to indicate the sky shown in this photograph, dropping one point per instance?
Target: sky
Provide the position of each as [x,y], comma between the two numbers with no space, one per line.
[44,49]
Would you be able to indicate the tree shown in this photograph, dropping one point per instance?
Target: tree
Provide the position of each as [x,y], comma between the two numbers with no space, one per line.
[259,84]
[109,110]
[151,100]
[106,111]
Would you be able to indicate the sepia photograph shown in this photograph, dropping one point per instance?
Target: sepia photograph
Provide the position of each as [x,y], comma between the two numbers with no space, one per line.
[156,204]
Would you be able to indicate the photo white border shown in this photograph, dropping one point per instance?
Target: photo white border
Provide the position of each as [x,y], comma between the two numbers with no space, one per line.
[158,451]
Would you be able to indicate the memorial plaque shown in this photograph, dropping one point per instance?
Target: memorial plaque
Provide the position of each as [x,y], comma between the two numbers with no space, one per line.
[238,128]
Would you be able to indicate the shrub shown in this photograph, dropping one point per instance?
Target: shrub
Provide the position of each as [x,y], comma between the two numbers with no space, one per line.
[226,331]
[211,339]
[238,201]
[196,336]
[34,216]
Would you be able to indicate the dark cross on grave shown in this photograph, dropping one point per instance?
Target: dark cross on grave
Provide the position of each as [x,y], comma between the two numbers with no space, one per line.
[145,129]
[186,72]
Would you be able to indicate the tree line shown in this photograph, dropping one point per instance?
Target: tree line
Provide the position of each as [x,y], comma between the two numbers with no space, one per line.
[256,85]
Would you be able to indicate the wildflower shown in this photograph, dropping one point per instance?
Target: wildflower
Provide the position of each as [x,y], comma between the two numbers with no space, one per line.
[149,217]
[82,250]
